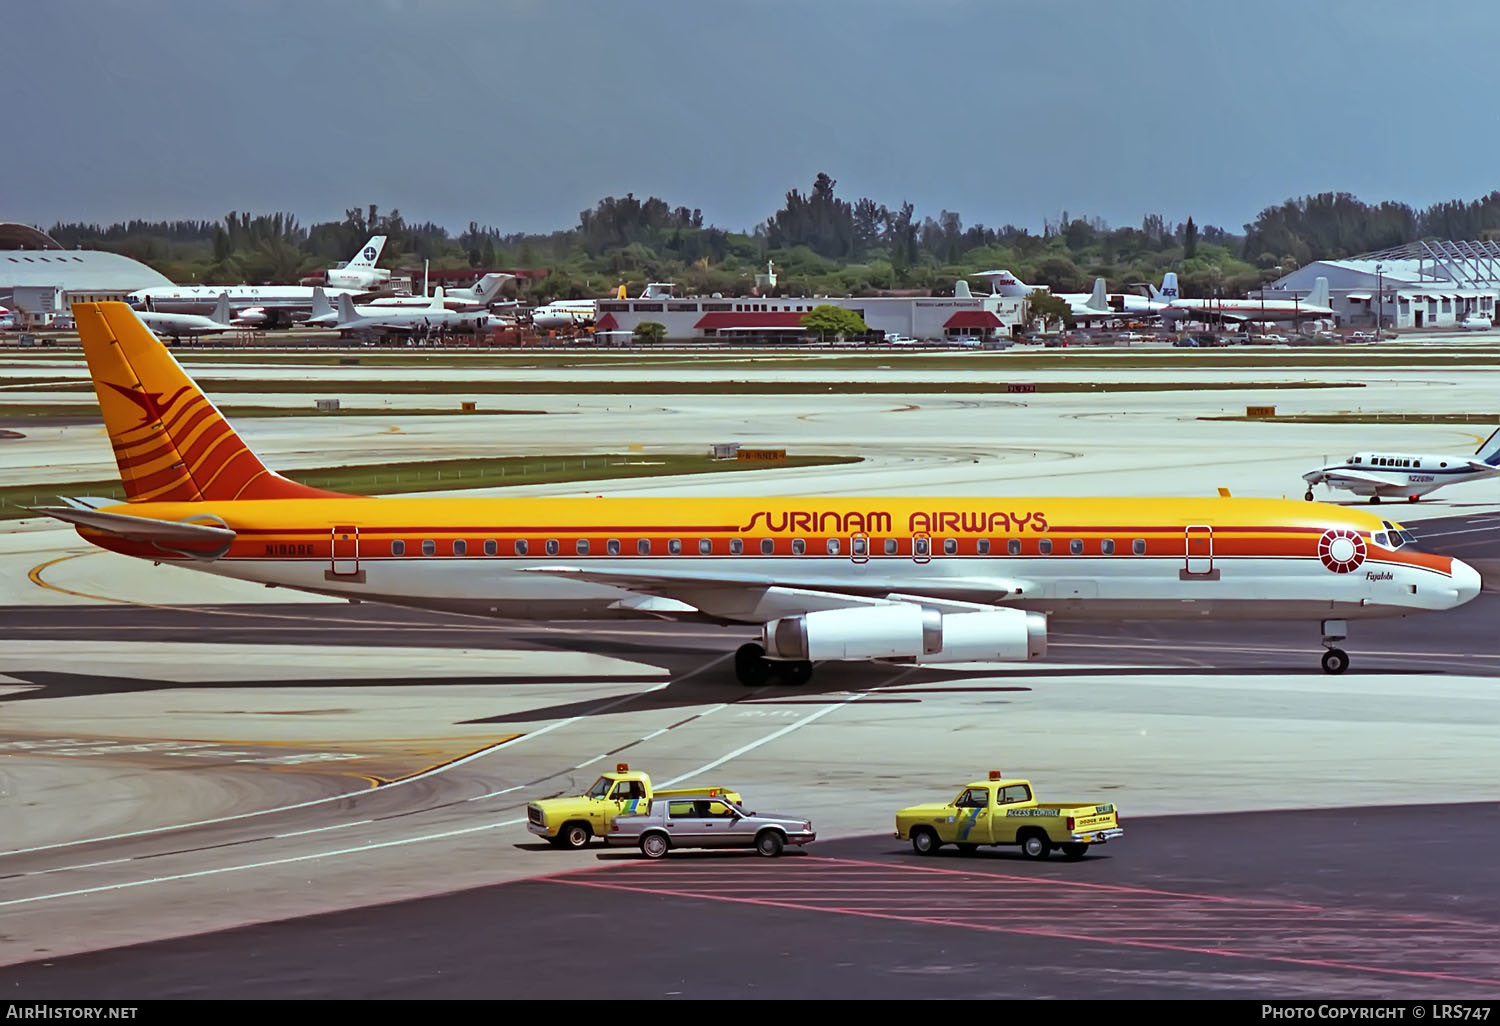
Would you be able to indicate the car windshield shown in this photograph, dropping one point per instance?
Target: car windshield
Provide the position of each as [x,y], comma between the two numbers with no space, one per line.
[600,789]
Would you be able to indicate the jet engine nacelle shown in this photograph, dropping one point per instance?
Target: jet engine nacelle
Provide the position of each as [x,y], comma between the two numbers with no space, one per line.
[908,632]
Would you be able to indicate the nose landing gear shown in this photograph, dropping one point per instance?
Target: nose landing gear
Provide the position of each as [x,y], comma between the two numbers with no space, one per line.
[1335,660]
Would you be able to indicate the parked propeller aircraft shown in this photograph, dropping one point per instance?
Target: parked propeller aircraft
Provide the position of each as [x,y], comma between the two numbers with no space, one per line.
[1391,475]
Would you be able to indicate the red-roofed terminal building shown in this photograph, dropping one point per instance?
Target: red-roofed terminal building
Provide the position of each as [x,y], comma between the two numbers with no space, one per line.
[740,318]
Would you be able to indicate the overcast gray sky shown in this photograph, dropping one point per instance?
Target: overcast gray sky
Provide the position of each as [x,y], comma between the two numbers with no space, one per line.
[521,113]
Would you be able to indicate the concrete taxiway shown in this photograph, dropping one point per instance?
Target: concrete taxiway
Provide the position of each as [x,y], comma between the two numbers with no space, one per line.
[210,788]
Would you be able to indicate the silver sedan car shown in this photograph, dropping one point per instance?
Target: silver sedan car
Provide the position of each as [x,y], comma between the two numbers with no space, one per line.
[708,821]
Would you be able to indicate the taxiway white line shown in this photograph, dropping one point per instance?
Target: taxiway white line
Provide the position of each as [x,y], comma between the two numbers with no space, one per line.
[66,869]
[343,797]
[319,830]
[765,740]
[610,705]
[257,865]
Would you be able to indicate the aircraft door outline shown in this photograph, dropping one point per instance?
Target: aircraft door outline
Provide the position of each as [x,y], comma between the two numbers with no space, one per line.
[1198,553]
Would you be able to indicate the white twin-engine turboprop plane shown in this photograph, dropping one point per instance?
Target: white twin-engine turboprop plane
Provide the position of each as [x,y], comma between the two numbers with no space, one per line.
[1395,475]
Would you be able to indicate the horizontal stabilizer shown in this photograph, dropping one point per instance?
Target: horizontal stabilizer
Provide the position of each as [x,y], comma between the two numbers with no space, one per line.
[124,525]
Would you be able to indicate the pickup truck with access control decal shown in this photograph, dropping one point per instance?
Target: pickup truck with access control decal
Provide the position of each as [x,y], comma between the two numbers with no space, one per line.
[1004,810]
[570,822]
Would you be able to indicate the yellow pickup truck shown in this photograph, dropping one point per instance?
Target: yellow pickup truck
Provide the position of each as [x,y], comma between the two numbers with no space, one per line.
[570,822]
[1004,810]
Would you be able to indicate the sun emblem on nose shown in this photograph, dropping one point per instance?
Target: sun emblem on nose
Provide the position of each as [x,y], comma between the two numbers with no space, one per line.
[1341,550]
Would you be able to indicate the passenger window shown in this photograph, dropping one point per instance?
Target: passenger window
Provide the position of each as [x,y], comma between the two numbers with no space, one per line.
[490,548]
[612,547]
[950,546]
[1045,546]
[767,547]
[1075,546]
[798,546]
[736,546]
[398,548]
[460,547]
[643,547]
[832,545]
[705,547]
[1013,546]
[429,547]
[674,546]
[982,546]
[677,809]
[552,547]
[1014,793]
[521,546]
[860,546]
[1138,546]
[890,546]
[1107,546]
[1416,463]
[582,547]
[921,546]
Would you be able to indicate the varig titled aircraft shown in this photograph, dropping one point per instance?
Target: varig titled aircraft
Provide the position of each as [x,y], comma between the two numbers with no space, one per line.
[1392,475]
[926,581]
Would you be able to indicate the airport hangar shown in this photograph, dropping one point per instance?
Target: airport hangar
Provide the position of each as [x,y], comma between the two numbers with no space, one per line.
[744,318]
[39,279]
[1417,285]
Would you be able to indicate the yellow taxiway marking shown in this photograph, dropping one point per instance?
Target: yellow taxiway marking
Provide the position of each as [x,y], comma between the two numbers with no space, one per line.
[35,576]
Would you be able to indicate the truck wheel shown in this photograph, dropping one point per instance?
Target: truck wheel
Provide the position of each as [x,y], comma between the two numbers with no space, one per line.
[967,849]
[768,843]
[654,845]
[1075,851]
[1035,845]
[924,841]
[575,835]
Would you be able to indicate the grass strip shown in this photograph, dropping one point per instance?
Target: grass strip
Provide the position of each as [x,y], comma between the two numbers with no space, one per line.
[442,475]
[1371,418]
[89,412]
[337,388]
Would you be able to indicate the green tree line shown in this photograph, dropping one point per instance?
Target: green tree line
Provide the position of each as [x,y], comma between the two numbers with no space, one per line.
[821,244]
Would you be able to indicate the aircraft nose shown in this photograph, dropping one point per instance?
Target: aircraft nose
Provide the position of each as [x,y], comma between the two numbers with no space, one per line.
[1466,581]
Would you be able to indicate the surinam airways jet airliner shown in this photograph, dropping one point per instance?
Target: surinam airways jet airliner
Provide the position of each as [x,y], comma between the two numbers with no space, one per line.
[912,580]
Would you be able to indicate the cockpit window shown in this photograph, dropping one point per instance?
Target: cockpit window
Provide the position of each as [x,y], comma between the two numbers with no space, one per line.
[1408,537]
[1380,539]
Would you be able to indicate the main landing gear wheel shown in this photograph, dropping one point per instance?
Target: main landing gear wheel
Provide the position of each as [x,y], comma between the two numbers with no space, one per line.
[1374,500]
[795,674]
[1309,495]
[1335,661]
[751,667]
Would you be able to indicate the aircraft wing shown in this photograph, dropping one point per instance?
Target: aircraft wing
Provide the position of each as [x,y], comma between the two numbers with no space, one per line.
[738,596]
[133,528]
[1345,478]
